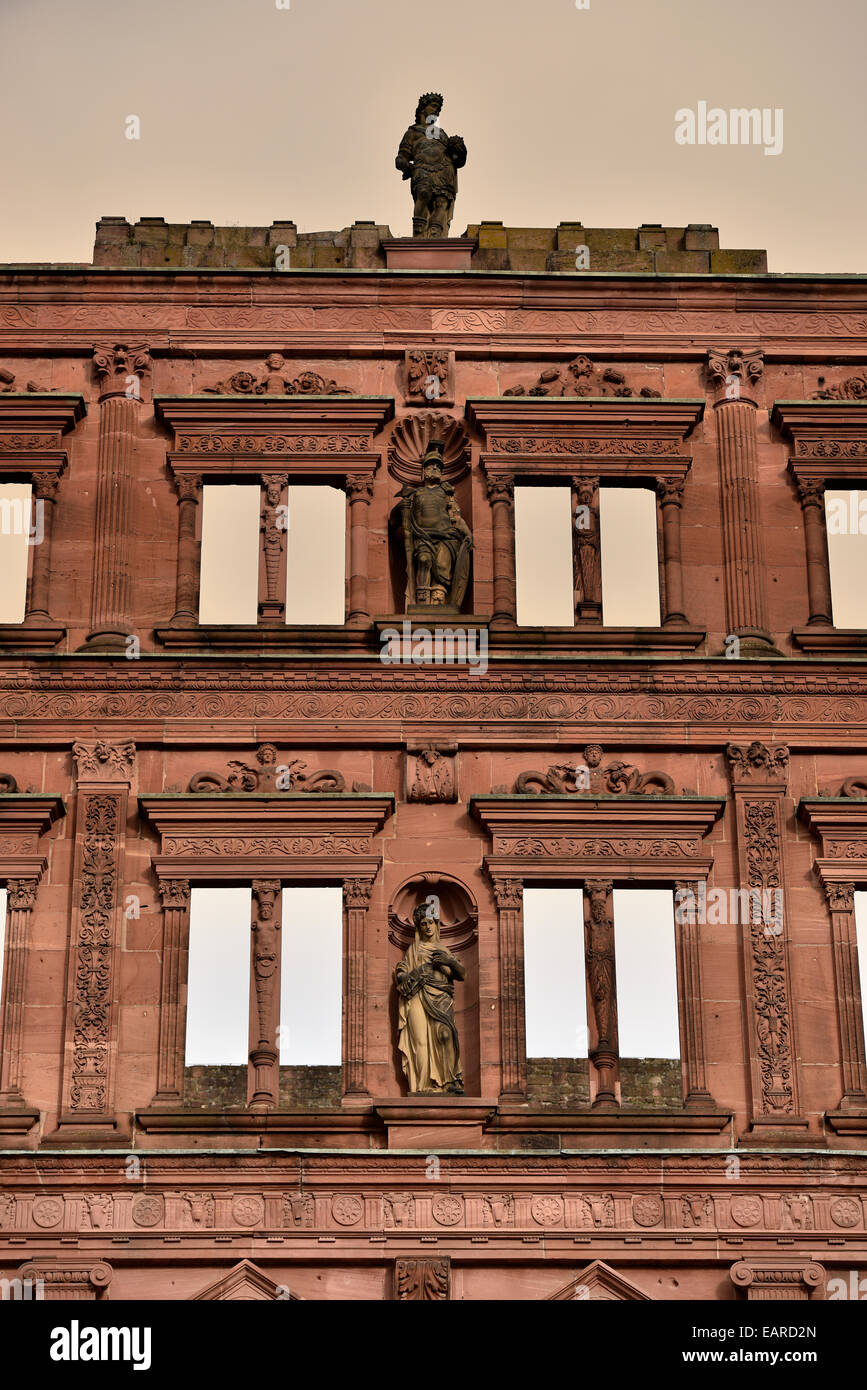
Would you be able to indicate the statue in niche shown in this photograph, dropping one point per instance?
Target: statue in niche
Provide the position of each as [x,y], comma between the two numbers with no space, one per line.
[427,1037]
[431,159]
[438,541]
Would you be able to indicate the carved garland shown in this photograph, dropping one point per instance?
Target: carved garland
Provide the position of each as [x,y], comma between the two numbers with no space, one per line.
[92,1000]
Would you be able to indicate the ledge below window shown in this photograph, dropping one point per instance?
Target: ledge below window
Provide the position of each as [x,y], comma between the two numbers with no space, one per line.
[27,637]
[259,637]
[590,638]
[839,641]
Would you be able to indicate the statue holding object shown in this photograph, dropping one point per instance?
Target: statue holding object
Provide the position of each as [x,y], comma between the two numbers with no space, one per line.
[437,540]
[427,1038]
[431,159]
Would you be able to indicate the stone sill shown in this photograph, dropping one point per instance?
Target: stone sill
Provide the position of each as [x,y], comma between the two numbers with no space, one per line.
[22,637]
[590,638]
[157,1120]
[847,1121]
[514,1118]
[260,637]
[16,1119]
[840,641]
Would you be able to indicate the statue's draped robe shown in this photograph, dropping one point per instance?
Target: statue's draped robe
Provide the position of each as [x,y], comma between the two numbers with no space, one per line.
[427,1037]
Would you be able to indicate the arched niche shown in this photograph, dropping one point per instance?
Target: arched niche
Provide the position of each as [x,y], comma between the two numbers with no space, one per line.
[459,933]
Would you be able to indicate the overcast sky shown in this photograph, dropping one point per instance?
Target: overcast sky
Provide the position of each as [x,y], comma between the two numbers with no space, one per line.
[250,112]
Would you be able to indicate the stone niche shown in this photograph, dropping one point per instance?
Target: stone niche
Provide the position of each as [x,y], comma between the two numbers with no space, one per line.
[459,934]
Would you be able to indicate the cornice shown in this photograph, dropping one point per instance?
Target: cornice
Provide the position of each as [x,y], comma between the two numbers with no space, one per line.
[303,414]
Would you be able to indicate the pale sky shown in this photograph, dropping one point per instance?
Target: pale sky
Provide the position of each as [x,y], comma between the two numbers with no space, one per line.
[250,113]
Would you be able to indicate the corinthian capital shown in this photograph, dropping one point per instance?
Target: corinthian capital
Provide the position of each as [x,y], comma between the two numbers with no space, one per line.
[723,363]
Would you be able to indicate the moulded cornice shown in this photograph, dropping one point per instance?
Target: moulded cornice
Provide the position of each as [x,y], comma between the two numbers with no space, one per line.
[815,420]
[578,416]
[364,415]
[41,410]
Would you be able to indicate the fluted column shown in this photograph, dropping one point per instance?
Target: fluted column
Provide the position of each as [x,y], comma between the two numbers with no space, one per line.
[509,897]
[586,551]
[743,549]
[175,894]
[690,995]
[356,901]
[841,901]
[45,486]
[670,494]
[359,490]
[501,493]
[120,370]
[601,989]
[812,494]
[189,488]
[263,1089]
[20,900]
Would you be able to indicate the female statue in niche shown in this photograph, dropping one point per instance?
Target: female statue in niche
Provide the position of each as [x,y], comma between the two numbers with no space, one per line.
[427,1037]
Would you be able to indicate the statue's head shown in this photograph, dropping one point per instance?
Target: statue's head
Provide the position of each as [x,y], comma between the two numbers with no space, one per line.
[432,463]
[274,361]
[426,922]
[429,104]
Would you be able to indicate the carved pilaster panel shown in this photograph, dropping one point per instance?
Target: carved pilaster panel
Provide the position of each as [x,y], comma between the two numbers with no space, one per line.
[356,902]
[263,1083]
[20,900]
[509,897]
[759,776]
[601,988]
[104,772]
[272,568]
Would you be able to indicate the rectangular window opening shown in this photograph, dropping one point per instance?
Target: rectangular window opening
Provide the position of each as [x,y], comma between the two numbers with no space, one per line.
[555,998]
[229,581]
[311,1004]
[647,1012]
[543,557]
[630,557]
[218,997]
[19,530]
[846,524]
[316,555]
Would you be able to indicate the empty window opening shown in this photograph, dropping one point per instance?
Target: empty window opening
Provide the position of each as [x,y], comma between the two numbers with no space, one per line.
[218,997]
[316,555]
[19,530]
[311,989]
[229,585]
[846,523]
[543,556]
[555,997]
[647,1012]
[630,561]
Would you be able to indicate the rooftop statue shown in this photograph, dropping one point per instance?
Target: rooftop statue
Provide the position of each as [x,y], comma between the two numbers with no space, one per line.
[431,159]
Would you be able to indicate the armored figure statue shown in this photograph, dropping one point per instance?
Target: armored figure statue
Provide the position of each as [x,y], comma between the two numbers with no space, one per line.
[437,539]
[427,1038]
[431,159]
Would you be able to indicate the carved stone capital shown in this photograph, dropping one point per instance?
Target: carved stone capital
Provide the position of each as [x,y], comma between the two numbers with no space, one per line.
[104,762]
[265,892]
[356,892]
[21,894]
[757,764]
[746,365]
[841,896]
[188,486]
[501,488]
[274,483]
[359,487]
[508,893]
[770,1280]
[811,492]
[118,366]
[45,484]
[670,491]
[175,892]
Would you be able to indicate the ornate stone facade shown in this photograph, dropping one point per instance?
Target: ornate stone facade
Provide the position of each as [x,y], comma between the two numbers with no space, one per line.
[146,754]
